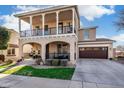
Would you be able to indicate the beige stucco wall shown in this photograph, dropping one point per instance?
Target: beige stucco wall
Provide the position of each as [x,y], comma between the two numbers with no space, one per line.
[53,48]
[27,48]
[11,57]
[92,34]
[99,44]
[80,35]
[14,36]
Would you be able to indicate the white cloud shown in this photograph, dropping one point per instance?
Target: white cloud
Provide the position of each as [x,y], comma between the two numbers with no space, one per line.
[11,22]
[81,24]
[119,37]
[101,36]
[25,8]
[91,12]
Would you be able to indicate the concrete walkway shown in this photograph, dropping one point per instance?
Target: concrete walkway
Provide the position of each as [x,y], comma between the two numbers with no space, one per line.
[27,62]
[99,73]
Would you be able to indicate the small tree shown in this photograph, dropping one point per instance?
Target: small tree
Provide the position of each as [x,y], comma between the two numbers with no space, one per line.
[120,21]
[4,38]
[120,47]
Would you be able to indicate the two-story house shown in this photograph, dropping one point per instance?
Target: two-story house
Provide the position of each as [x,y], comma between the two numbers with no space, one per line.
[12,52]
[56,31]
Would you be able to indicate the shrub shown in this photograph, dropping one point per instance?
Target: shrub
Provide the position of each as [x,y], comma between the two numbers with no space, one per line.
[9,61]
[110,58]
[38,61]
[64,63]
[2,58]
[55,62]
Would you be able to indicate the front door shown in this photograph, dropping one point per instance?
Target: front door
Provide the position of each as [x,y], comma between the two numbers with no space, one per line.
[46,30]
[60,29]
[47,51]
[37,30]
[59,48]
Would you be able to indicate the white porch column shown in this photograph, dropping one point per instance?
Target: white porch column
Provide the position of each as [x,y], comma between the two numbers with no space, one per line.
[43,20]
[19,25]
[30,22]
[20,49]
[72,52]
[57,22]
[43,52]
[73,21]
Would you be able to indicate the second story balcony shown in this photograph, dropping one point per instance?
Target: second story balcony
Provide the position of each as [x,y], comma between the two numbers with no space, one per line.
[48,31]
[59,21]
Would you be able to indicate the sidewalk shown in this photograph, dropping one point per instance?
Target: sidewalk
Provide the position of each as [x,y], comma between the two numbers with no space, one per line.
[15,81]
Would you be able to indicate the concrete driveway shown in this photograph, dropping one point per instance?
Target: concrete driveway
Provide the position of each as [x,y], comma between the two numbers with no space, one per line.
[99,73]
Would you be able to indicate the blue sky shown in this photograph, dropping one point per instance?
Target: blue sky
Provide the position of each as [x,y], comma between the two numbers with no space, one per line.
[101,16]
[105,23]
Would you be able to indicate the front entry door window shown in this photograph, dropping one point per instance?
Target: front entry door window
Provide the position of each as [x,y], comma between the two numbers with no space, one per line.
[59,47]
[37,30]
[46,30]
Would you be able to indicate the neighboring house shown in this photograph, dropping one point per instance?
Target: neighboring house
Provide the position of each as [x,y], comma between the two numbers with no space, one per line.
[12,52]
[118,53]
[55,33]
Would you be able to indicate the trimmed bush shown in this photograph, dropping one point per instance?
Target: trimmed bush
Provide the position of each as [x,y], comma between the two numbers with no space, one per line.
[55,62]
[9,61]
[2,58]
[38,61]
[64,62]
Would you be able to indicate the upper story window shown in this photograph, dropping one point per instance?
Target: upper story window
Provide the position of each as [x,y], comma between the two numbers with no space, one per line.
[37,27]
[86,35]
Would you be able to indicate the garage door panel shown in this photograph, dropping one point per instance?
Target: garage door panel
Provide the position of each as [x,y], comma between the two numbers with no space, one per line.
[93,53]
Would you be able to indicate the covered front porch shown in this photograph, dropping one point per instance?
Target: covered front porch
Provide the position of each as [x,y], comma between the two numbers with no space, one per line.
[56,53]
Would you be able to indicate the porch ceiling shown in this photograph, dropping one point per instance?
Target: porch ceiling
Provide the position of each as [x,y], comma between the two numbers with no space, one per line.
[63,15]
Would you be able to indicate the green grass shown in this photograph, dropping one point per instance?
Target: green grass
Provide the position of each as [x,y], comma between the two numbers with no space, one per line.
[57,73]
[6,65]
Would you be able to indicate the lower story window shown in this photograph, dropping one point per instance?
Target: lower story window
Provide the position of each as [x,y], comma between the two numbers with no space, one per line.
[11,51]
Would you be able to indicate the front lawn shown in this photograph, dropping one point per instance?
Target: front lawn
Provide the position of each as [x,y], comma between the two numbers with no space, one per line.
[6,65]
[57,73]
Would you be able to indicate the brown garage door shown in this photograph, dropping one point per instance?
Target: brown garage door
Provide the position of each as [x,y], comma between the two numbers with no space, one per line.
[93,52]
